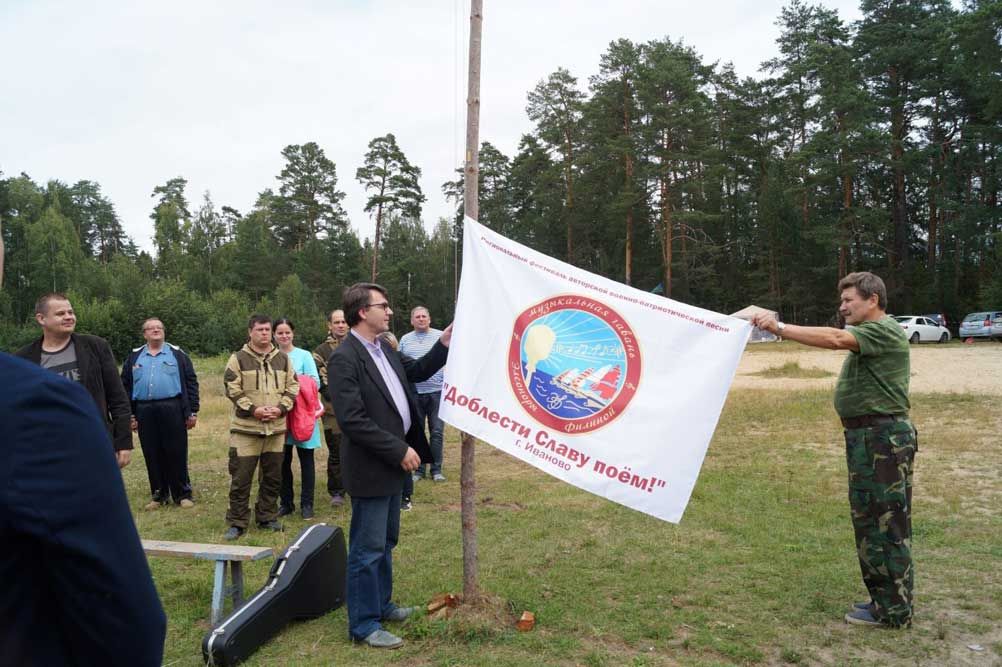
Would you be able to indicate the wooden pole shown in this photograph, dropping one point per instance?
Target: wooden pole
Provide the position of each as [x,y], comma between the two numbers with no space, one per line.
[471,174]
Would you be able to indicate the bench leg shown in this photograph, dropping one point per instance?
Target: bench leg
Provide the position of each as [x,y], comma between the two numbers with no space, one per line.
[237,572]
[218,585]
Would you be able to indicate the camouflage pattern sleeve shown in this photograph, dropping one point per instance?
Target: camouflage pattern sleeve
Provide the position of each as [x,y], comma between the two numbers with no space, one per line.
[321,370]
[288,398]
[233,387]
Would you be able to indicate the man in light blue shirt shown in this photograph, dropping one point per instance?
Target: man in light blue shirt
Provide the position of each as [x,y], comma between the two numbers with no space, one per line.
[415,345]
[161,382]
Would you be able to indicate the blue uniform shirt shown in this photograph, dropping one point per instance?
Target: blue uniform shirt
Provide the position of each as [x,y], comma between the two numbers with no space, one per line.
[155,376]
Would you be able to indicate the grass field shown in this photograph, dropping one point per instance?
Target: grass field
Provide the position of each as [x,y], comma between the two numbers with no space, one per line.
[792,369]
[760,570]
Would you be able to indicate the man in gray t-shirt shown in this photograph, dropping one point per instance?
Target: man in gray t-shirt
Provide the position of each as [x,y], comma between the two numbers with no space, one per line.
[63,361]
[84,359]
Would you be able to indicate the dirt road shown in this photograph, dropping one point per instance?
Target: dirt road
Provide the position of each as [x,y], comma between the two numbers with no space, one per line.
[948,368]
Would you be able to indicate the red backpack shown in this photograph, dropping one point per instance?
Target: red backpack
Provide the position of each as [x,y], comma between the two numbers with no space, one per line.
[303,415]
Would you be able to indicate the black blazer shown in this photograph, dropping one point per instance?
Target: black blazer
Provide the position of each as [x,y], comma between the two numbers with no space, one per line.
[374,442]
[99,376]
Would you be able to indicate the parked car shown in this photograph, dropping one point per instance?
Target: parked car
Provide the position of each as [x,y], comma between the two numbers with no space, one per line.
[920,328]
[987,324]
[939,318]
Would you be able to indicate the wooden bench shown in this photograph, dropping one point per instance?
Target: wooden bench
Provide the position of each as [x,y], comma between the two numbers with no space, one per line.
[226,556]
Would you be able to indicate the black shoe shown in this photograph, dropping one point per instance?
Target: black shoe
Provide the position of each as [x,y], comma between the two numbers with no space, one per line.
[275,526]
[233,533]
[405,504]
[286,510]
[307,511]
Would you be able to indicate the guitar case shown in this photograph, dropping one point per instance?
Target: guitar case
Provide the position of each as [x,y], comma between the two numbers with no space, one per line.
[306,581]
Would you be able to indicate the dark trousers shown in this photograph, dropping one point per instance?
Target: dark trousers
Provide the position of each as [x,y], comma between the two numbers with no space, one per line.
[428,404]
[309,476]
[408,489]
[334,483]
[164,439]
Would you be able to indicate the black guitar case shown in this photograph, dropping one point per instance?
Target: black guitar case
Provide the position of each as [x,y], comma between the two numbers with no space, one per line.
[306,581]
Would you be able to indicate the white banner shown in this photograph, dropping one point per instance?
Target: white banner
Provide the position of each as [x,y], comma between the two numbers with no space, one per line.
[609,388]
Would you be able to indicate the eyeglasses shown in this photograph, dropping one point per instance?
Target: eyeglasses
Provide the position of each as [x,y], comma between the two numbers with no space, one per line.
[385,305]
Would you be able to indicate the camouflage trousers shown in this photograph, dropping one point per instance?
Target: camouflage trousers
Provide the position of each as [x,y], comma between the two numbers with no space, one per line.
[880,460]
[248,454]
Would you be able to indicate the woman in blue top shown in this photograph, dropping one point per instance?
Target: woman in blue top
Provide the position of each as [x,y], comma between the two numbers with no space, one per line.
[303,364]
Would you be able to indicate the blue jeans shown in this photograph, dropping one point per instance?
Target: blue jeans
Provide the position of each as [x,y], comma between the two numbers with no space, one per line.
[375,529]
[428,404]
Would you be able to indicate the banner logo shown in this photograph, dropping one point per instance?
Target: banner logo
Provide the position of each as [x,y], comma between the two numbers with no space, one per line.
[573,363]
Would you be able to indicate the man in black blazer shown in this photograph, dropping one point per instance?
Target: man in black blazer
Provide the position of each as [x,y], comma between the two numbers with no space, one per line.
[370,389]
[85,359]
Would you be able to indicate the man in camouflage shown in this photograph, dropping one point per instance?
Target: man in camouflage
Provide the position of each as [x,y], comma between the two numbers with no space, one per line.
[260,382]
[337,329]
[871,397]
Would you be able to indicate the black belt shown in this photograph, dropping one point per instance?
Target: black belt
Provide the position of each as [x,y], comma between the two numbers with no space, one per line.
[867,421]
[161,400]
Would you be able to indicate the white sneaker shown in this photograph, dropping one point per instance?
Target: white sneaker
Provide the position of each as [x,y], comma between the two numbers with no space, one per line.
[439,477]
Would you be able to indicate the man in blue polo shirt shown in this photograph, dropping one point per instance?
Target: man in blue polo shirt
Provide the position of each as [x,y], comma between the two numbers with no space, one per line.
[415,345]
[161,382]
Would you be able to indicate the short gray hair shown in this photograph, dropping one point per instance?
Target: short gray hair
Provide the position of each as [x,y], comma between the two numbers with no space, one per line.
[867,284]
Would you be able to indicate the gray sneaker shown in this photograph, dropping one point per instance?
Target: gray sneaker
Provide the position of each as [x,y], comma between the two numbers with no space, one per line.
[400,614]
[863,617]
[383,639]
[233,533]
[438,477]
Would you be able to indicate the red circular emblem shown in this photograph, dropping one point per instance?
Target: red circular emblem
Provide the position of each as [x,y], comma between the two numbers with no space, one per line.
[573,362]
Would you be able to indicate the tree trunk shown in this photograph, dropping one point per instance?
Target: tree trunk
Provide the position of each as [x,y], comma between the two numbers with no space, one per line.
[471,203]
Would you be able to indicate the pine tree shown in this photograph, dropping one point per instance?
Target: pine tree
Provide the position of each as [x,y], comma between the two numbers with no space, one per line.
[392,182]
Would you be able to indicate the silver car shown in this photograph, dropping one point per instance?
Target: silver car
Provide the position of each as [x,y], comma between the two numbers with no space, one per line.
[987,324]
[921,329]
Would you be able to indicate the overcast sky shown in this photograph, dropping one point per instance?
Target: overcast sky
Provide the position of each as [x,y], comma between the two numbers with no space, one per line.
[131,94]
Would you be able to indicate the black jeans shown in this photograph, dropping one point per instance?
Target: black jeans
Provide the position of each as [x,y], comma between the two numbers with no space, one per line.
[334,483]
[309,477]
[164,439]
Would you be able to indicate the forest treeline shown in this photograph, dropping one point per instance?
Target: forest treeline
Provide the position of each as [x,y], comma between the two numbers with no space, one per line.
[866,146]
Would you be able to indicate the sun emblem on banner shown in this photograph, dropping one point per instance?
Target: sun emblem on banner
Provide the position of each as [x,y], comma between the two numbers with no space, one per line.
[573,363]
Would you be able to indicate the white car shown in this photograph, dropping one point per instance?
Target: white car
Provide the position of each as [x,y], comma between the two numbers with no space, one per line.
[922,329]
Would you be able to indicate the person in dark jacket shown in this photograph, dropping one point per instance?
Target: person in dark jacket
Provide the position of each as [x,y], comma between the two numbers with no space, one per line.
[160,379]
[370,389]
[76,586]
[84,359]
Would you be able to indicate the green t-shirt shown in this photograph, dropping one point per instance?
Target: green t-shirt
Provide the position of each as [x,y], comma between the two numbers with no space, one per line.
[875,379]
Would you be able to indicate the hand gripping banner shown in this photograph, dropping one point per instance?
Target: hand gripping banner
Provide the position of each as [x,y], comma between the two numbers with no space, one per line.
[614,390]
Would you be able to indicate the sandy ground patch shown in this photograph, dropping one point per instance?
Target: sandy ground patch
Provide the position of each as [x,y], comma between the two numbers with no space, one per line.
[961,368]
